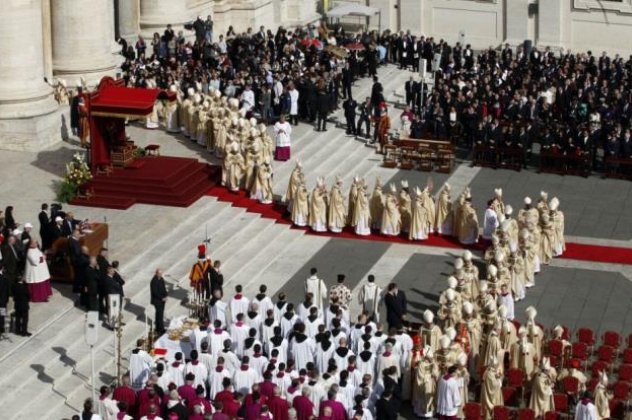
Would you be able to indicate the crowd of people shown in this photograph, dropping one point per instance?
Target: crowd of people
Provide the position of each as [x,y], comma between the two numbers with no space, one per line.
[256,358]
[26,258]
[570,103]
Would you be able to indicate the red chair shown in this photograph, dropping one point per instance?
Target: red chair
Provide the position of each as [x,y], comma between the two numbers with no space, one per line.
[566,335]
[592,384]
[472,411]
[616,408]
[561,402]
[555,361]
[630,341]
[556,348]
[510,396]
[580,351]
[599,366]
[586,336]
[627,356]
[621,391]
[526,414]
[612,339]
[552,415]
[515,378]
[606,354]
[502,413]
[625,373]
[570,384]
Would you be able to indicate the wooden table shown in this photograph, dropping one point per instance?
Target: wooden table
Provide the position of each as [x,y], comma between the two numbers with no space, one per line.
[60,266]
[422,154]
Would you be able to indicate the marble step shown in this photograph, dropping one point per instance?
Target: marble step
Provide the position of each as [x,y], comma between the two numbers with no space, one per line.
[277,249]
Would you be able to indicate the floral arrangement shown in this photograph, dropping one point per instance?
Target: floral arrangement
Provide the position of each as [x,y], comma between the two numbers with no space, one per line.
[77,174]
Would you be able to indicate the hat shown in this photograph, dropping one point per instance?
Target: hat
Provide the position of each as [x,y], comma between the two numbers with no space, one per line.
[428,316]
[544,195]
[498,192]
[467,256]
[58,219]
[492,270]
[458,263]
[27,225]
[527,201]
[508,210]
[444,341]
[468,308]
[452,282]
[201,251]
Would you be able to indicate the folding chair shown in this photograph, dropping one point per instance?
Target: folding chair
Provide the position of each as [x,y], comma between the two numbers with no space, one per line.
[502,413]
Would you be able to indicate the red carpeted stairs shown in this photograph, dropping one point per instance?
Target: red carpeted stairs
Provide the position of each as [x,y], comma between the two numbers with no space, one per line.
[162,180]
[574,251]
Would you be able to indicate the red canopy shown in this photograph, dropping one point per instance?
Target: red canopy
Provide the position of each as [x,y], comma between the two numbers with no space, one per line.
[120,101]
[108,107]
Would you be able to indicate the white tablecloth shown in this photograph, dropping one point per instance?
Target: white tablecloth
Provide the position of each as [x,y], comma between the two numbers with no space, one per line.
[173,347]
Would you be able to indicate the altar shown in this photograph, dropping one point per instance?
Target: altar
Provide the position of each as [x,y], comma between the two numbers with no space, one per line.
[178,338]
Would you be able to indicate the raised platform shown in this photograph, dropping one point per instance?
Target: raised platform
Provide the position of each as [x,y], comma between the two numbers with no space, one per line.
[161,180]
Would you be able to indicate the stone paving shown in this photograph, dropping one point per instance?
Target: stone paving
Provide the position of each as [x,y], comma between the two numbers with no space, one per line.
[52,367]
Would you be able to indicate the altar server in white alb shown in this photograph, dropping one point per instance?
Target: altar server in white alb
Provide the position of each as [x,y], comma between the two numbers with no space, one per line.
[369,298]
[448,394]
[490,221]
[140,364]
[317,288]
[282,132]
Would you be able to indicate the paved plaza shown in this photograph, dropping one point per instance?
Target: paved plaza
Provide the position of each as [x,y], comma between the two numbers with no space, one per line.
[52,368]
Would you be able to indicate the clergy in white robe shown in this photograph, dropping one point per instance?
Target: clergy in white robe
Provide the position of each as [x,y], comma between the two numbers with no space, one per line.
[506,299]
[216,378]
[245,377]
[176,371]
[198,369]
[238,334]
[366,361]
[264,303]
[448,394]
[238,304]
[388,359]
[302,348]
[140,363]
[216,338]
[317,288]
[217,309]
[324,352]
[369,297]
[585,409]
[490,221]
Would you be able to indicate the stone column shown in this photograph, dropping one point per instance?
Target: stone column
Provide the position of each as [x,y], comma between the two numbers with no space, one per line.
[517,21]
[156,14]
[28,119]
[82,43]
[47,33]
[550,24]
[129,18]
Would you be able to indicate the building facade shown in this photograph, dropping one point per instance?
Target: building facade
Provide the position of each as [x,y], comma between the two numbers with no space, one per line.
[575,25]
[45,40]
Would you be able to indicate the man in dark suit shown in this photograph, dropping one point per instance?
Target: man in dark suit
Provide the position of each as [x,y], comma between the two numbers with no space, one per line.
[385,407]
[5,288]
[395,302]
[21,298]
[74,247]
[350,106]
[347,81]
[216,278]
[323,104]
[409,88]
[68,225]
[43,231]
[91,286]
[11,260]
[158,300]
[54,229]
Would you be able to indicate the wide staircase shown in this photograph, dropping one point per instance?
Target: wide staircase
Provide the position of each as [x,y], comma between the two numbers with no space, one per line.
[49,375]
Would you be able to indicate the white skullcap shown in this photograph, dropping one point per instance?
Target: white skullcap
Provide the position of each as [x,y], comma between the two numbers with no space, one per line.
[508,210]
[527,201]
[428,316]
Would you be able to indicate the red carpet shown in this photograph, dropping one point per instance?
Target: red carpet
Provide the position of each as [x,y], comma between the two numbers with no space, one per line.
[162,180]
[574,251]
